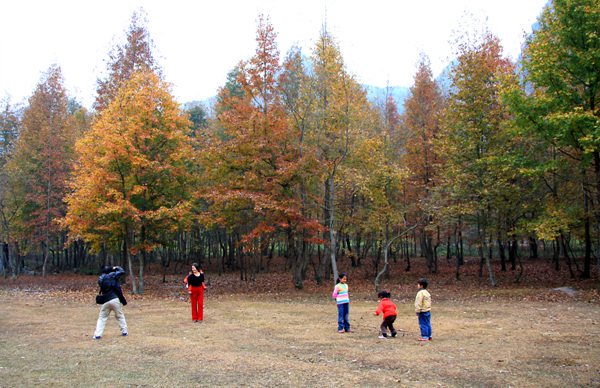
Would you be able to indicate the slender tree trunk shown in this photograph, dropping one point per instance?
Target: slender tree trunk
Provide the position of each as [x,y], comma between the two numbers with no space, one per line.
[127,256]
[351,254]
[566,253]
[329,217]
[520,269]
[8,251]
[427,249]
[142,261]
[458,264]
[386,255]
[481,260]
[597,210]
[295,259]
[512,253]
[332,237]
[460,248]
[5,260]
[502,254]
[46,249]
[488,264]
[587,262]
[407,252]
[358,244]
[533,246]
[556,253]
[435,251]
[16,270]
[386,264]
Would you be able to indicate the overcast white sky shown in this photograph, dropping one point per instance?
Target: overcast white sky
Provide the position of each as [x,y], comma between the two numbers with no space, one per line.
[199,41]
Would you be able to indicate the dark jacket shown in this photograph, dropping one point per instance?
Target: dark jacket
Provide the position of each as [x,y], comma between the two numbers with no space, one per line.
[110,287]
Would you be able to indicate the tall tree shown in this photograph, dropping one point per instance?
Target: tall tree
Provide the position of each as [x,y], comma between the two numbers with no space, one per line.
[9,202]
[394,135]
[125,60]
[558,99]
[43,160]
[132,182]
[9,129]
[472,141]
[341,111]
[297,87]
[256,166]
[421,121]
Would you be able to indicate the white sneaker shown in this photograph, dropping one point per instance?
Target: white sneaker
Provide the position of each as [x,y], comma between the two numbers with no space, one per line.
[382,337]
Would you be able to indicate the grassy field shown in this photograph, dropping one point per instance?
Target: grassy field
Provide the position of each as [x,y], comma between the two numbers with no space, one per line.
[493,338]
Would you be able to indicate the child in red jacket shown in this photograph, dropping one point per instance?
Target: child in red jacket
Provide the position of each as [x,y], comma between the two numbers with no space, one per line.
[388,308]
[186,284]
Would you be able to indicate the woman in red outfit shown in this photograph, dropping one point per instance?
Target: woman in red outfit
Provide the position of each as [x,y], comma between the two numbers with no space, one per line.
[196,287]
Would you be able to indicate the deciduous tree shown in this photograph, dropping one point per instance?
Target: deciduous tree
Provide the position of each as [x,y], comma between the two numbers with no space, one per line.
[132,182]
[341,118]
[558,103]
[9,201]
[256,166]
[124,60]
[43,160]
[421,121]
[472,141]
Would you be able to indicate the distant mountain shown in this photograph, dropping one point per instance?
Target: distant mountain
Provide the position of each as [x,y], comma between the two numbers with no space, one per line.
[374,94]
[207,105]
[443,79]
[400,94]
[192,104]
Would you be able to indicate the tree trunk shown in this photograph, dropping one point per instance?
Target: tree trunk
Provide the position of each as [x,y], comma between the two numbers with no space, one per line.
[533,248]
[566,253]
[502,254]
[459,248]
[386,256]
[351,254]
[488,264]
[556,253]
[458,264]
[295,260]
[512,253]
[358,244]
[142,261]
[427,249]
[481,260]
[597,211]
[127,256]
[47,231]
[587,262]
[5,260]
[407,253]
[329,217]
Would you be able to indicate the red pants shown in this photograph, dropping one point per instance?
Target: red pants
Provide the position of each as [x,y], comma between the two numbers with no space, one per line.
[197,298]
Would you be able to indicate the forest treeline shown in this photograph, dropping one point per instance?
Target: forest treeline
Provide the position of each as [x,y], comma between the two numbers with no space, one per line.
[293,160]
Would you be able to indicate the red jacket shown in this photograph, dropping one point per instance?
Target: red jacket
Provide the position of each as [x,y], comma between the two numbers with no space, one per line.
[387,307]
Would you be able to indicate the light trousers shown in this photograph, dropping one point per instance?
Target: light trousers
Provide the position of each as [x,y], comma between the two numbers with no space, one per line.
[112,305]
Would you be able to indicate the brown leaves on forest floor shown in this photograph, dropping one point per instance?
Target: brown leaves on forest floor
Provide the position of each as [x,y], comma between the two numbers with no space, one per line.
[290,339]
[539,281]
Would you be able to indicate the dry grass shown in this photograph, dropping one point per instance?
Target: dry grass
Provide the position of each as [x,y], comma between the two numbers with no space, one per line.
[289,339]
